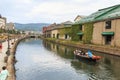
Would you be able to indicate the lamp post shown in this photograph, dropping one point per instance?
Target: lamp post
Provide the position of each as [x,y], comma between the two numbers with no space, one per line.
[8,51]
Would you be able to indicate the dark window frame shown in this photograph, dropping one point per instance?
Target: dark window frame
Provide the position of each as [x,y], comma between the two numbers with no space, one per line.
[108,40]
[80,37]
[108,24]
[66,36]
[53,35]
[80,27]
[58,36]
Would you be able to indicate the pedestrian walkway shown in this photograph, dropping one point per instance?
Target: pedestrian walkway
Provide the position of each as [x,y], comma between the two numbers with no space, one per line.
[3,53]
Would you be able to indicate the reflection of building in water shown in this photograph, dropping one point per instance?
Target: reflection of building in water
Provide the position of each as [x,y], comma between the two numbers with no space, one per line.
[113,63]
[106,69]
[53,47]
[47,45]
[61,50]
[94,70]
[64,51]
[57,47]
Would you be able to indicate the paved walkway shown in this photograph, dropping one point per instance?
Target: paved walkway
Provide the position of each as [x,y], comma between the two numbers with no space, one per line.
[3,53]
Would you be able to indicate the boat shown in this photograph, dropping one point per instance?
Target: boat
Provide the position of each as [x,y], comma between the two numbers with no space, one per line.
[80,56]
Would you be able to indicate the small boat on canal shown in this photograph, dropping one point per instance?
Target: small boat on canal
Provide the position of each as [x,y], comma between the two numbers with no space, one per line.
[85,56]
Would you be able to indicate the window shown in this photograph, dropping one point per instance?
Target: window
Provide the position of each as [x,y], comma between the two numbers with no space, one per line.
[53,35]
[108,40]
[108,24]
[80,37]
[66,36]
[49,35]
[80,26]
[57,36]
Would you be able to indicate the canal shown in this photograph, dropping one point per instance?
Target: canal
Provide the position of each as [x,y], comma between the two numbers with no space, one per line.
[40,60]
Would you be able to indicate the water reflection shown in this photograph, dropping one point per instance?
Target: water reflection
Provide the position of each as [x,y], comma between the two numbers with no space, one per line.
[40,60]
[106,69]
[60,50]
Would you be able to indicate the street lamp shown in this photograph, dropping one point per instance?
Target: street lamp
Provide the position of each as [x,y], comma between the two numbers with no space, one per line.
[8,51]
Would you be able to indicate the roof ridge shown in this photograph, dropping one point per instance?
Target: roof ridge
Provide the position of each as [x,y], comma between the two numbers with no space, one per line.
[114,7]
[109,7]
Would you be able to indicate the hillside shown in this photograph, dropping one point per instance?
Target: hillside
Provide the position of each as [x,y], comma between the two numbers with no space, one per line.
[30,26]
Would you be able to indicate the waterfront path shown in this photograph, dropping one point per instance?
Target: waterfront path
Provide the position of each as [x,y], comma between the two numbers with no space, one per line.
[3,53]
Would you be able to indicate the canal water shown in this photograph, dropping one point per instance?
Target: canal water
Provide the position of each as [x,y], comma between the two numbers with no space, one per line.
[40,60]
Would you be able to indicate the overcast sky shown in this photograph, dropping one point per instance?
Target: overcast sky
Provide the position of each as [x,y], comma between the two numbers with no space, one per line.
[50,11]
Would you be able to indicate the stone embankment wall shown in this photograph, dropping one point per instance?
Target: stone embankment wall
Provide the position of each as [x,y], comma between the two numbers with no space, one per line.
[100,48]
[11,60]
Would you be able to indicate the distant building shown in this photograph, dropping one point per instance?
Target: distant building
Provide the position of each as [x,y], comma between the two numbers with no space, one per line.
[2,22]
[78,18]
[64,30]
[47,30]
[10,26]
[58,31]
[44,29]
[54,31]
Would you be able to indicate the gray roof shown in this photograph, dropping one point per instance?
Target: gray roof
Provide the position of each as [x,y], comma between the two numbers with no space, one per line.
[67,22]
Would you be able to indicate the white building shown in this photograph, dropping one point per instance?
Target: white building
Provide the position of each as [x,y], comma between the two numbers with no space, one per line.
[78,17]
[10,26]
[2,22]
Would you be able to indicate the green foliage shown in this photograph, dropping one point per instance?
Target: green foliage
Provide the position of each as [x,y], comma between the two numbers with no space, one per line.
[2,30]
[88,31]
[11,31]
[74,30]
[62,31]
[17,32]
[65,30]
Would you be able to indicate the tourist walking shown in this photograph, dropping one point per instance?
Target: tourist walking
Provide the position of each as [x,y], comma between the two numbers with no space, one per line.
[4,73]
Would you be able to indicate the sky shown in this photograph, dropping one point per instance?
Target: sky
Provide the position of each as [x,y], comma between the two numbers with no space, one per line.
[50,11]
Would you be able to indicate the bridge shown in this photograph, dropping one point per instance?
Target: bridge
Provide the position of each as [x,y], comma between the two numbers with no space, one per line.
[34,34]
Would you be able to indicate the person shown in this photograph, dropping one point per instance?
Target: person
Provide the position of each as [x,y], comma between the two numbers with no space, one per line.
[4,73]
[89,53]
[76,51]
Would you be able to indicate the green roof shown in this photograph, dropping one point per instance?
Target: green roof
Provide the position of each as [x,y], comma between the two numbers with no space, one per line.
[107,33]
[114,13]
[80,33]
[102,14]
